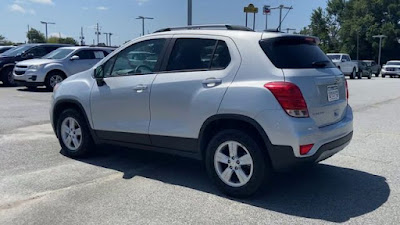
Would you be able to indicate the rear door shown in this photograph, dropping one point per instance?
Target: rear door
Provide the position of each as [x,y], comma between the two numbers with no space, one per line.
[321,83]
[191,87]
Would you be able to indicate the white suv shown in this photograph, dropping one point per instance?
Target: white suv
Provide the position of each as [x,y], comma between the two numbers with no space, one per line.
[246,103]
[57,65]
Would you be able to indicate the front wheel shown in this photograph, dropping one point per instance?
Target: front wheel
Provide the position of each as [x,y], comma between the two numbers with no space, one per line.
[236,164]
[73,134]
[8,79]
[52,79]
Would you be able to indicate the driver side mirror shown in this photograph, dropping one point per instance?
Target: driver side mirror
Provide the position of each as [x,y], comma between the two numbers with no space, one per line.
[99,75]
[343,60]
[75,57]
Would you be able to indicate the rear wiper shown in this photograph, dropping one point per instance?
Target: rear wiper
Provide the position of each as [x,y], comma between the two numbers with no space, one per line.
[320,63]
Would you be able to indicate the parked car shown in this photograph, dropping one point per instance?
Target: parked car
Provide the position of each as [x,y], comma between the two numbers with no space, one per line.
[260,102]
[344,63]
[363,69]
[392,69]
[57,65]
[23,52]
[376,68]
[5,48]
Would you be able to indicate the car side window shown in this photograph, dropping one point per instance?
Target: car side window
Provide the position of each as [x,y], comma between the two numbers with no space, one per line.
[191,54]
[139,58]
[38,51]
[86,54]
[221,57]
[49,49]
[98,54]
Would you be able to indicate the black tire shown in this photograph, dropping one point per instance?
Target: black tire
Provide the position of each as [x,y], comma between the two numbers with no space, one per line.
[261,166]
[383,75]
[48,81]
[87,144]
[353,74]
[7,77]
[370,76]
[360,74]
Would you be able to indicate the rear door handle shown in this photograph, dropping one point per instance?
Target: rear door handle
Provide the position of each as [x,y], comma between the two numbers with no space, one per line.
[140,88]
[212,82]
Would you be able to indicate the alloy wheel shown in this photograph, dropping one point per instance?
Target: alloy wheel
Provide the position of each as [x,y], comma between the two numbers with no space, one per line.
[233,164]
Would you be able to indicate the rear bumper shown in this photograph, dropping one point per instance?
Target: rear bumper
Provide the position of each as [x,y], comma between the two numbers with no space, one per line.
[282,157]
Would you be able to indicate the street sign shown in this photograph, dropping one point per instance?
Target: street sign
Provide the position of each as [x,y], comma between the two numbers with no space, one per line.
[250,9]
[266,10]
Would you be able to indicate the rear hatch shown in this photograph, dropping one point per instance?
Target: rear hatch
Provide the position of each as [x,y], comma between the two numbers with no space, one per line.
[304,64]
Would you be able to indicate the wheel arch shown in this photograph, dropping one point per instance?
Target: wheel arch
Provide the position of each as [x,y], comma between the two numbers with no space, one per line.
[52,70]
[64,104]
[219,122]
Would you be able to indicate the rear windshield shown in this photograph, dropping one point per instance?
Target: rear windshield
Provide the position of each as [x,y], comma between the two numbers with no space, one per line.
[393,63]
[295,53]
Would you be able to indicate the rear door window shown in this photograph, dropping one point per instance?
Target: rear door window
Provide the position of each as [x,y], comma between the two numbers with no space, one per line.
[295,53]
[221,57]
[86,54]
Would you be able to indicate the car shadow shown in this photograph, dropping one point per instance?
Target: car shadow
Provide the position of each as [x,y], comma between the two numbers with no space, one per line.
[33,90]
[324,192]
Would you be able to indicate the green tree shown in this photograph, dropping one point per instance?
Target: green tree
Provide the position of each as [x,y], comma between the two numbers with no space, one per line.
[35,36]
[342,23]
[67,40]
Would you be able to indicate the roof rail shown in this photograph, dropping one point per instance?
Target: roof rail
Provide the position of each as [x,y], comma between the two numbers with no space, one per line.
[212,26]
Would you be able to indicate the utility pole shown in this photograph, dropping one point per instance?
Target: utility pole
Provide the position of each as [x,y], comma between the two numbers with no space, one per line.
[189,13]
[45,24]
[28,32]
[281,7]
[109,38]
[290,29]
[358,36]
[82,38]
[143,18]
[380,46]
[106,41]
[97,33]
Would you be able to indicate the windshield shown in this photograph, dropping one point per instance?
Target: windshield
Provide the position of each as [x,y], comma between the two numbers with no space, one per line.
[18,50]
[58,54]
[393,63]
[295,53]
[334,57]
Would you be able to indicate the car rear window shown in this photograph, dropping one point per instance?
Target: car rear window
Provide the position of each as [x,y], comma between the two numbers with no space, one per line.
[295,53]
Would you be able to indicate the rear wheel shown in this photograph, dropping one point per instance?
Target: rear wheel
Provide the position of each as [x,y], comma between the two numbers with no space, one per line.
[353,74]
[383,75]
[236,164]
[7,77]
[370,76]
[52,79]
[73,134]
[360,74]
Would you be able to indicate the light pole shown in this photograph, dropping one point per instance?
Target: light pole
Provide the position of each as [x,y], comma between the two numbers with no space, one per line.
[143,18]
[189,13]
[380,46]
[45,24]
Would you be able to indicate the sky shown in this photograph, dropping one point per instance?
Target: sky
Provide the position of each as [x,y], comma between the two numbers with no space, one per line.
[118,16]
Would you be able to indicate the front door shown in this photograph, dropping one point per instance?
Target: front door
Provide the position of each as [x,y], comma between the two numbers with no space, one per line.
[120,107]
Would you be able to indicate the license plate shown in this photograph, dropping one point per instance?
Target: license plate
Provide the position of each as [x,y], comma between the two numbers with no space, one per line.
[333,93]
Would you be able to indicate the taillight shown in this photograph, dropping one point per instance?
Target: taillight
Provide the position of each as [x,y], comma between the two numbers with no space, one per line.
[289,97]
[304,149]
[347,90]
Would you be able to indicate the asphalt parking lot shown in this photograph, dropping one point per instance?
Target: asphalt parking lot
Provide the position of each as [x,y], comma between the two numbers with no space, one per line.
[38,185]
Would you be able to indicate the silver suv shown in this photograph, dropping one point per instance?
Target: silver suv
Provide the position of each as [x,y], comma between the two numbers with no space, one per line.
[57,65]
[246,103]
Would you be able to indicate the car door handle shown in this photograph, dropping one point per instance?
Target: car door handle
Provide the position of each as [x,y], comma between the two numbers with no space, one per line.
[212,82]
[140,88]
